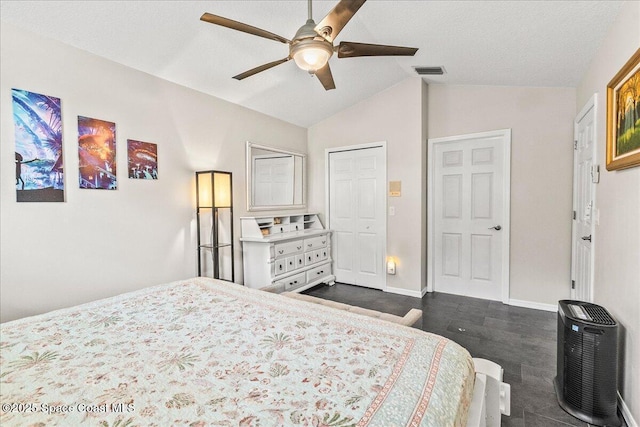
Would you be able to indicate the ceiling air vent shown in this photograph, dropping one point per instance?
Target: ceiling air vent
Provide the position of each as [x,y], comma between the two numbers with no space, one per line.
[429,71]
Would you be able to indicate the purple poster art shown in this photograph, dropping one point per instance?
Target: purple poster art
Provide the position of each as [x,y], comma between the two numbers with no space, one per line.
[38,147]
[142,159]
[97,153]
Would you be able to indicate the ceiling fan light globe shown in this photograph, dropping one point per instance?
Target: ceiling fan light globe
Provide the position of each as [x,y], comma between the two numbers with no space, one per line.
[310,54]
[311,58]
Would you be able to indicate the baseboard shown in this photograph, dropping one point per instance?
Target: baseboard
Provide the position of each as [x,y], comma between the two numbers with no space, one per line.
[626,413]
[534,305]
[406,292]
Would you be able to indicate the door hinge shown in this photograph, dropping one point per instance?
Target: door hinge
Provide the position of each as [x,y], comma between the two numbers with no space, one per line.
[573,284]
[595,174]
[575,144]
[574,215]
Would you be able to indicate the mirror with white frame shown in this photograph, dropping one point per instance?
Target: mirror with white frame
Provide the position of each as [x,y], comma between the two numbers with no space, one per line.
[275,178]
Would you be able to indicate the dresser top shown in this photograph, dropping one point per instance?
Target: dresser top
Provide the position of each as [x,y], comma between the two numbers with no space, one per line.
[291,235]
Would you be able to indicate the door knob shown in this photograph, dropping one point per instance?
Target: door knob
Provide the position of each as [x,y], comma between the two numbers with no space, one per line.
[588,238]
[496,227]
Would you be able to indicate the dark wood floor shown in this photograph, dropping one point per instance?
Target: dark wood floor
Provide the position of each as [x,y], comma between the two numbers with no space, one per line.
[521,340]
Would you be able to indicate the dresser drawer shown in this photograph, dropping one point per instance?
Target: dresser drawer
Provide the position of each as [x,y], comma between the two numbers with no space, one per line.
[294,281]
[315,242]
[309,257]
[280,228]
[280,266]
[288,248]
[318,272]
[291,263]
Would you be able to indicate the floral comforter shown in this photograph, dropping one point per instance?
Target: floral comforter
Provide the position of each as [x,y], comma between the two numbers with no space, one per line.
[208,353]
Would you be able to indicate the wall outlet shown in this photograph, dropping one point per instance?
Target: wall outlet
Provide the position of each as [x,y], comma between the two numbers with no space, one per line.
[391,267]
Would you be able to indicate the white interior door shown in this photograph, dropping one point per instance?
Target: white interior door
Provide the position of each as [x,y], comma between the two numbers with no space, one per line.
[585,175]
[357,208]
[470,214]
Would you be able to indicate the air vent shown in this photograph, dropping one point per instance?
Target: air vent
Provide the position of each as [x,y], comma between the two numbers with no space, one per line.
[599,314]
[429,71]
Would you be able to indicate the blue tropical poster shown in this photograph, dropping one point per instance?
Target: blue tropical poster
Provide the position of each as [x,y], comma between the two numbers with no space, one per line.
[38,147]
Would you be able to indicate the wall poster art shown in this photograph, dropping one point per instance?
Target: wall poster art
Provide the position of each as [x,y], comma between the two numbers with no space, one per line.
[97,153]
[623,116]
[142,159]
[38,147]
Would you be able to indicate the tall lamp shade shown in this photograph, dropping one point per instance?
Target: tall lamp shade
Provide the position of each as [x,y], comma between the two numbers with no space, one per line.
[220,183]
[214,202]
[222,190]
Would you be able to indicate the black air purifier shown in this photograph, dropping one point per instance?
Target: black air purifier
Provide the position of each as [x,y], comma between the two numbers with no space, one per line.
[587,378]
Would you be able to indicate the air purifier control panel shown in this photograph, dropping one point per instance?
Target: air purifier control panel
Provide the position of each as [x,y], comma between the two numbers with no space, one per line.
[579,312]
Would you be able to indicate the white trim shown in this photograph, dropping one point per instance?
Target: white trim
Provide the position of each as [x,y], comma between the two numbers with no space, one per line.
[626,412]
[406,292]
[363,146]
[534,305]
[506,253]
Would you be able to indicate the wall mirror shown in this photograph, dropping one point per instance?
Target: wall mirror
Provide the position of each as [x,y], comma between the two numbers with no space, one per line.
[275,178]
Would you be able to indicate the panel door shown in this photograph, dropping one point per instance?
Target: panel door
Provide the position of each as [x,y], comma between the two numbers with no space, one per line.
[273,180]
[468,210]
[584,206]
[357,216]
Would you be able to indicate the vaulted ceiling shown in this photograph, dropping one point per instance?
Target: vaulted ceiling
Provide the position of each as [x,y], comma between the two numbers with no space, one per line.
[523,43]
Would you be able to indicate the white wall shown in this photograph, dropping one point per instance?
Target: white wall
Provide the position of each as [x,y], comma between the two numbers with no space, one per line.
[541,120]
[101,243]
[617,238]
[395,116]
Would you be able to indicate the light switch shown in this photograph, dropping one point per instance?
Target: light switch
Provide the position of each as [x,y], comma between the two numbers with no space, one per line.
[392,210]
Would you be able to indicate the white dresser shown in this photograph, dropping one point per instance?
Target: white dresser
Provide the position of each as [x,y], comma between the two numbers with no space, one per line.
[291,250]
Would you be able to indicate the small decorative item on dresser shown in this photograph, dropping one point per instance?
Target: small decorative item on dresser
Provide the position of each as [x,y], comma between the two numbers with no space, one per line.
[214,200]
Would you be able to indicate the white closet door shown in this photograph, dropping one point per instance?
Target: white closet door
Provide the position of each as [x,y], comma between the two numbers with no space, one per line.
[357,216]
[273,183]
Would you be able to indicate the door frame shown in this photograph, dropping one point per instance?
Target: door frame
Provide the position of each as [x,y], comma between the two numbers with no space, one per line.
[505,134]
[327,187]
[592,103]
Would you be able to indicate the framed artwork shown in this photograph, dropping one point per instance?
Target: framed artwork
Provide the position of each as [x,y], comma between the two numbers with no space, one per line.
[37,123]
[623,116]
[97,153]
[142,159]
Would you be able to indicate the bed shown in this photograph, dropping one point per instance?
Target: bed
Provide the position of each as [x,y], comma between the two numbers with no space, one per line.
[202,352]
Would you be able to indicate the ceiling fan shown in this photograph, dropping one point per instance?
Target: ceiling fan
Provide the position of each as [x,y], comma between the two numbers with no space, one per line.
[312,45]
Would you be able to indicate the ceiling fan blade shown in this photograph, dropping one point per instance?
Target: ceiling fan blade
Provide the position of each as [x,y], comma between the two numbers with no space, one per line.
[239,26]
[351,49]
[325,77]
[261,68]
[334,22]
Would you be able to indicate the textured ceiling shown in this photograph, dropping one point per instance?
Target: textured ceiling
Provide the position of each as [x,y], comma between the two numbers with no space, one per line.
[524,43]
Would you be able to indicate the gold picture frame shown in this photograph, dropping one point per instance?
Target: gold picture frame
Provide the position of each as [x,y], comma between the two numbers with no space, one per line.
[623,118]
